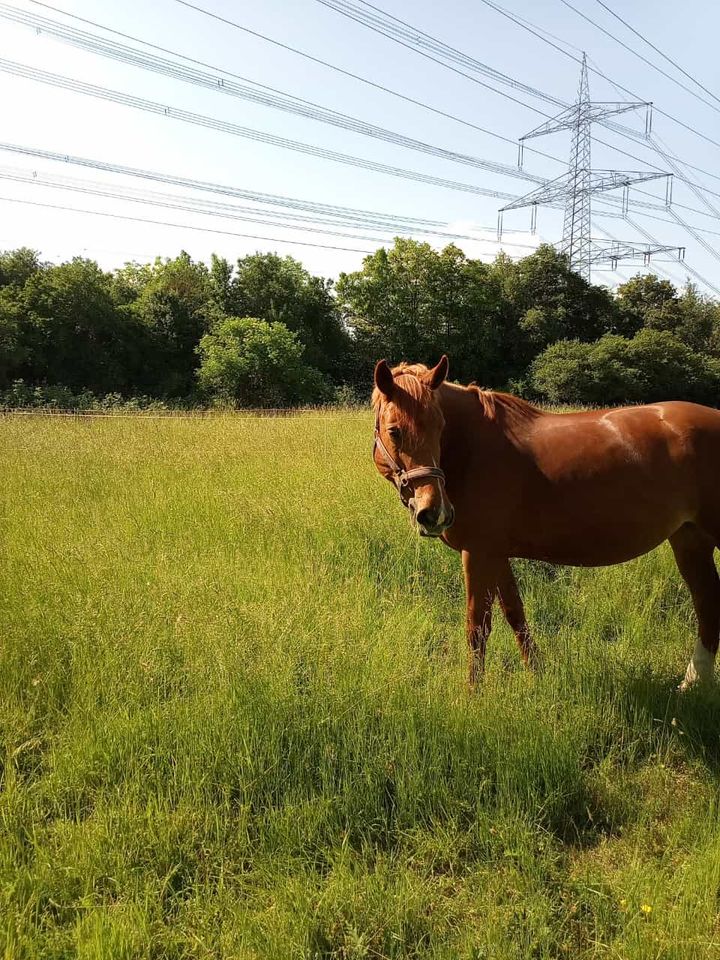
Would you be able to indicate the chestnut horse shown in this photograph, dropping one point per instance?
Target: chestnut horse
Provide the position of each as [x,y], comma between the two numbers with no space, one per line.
[496,477]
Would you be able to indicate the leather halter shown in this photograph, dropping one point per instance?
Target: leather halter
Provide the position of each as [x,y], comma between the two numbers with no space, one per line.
[401,477]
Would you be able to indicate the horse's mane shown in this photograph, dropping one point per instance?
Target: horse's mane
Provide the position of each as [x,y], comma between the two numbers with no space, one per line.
[491,401]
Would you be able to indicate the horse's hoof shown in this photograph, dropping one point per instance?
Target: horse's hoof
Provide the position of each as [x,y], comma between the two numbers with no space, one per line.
[690,683]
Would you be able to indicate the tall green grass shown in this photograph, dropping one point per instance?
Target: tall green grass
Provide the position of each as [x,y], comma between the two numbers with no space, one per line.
[235,723]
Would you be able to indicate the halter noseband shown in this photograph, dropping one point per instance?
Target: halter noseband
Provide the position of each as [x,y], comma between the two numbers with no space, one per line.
[401,477]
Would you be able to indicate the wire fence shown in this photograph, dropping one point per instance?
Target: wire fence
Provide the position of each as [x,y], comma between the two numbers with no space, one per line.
[358,414]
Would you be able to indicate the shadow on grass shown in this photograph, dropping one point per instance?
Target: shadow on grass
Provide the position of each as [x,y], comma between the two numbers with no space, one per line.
[647,721]
[690,720]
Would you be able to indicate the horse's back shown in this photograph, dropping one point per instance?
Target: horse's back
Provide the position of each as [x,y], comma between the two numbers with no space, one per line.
[691,434]
[605,485]
[674,429]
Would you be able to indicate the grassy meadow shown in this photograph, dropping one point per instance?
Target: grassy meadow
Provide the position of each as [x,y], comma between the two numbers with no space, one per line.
[235,723]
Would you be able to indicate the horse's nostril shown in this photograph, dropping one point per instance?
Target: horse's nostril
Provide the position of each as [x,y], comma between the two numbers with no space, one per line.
[428,517]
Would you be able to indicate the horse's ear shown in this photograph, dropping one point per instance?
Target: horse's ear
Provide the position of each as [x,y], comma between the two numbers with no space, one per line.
[437,375]
[384,380]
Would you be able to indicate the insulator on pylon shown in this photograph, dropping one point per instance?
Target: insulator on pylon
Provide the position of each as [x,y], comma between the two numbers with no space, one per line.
[577,186]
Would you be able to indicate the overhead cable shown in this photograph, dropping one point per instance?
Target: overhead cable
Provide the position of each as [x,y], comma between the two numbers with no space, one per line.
[657,50]
[225,126]
[221,81]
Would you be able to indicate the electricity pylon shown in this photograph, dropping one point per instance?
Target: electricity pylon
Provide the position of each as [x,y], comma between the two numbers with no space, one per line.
[577,186]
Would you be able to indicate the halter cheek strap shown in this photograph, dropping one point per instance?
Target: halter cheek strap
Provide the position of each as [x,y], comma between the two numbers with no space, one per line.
[402,477]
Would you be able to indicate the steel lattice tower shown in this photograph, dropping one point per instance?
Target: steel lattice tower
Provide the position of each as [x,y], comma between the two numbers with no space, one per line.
[576,228]
[575,188]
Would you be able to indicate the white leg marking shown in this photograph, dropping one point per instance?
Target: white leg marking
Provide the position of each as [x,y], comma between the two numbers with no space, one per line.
[701,667]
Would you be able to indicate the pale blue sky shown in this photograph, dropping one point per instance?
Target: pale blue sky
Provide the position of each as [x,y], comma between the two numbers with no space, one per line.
[37,115]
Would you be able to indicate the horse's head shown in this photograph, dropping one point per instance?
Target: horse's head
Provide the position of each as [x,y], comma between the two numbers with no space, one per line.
[408,428]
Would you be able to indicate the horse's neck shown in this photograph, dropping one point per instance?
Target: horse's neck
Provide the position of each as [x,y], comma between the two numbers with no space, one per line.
[472,417]
[461,411]
[456,404]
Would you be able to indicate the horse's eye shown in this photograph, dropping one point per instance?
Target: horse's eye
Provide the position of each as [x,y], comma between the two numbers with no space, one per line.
[395,435]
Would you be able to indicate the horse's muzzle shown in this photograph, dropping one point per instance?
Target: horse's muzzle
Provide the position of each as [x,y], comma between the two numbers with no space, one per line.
[433,521]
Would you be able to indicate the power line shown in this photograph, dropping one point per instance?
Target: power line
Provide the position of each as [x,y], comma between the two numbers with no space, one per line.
[228,127]
[181,226]
[332,213]
[328,115]
[644,140]
[523,25]
[420,42]
[317,211]
[694,233]
[376,24]
[215,209]
[271,199]
[400,30]
[532,28]
[417,40]
[247,90]
[565,43]
[168,201]
[648,216]
[649,236]
[186,226]
[635,53]
[675,165]
[395,93]
[301,53]
[657,50]
[224,126]
[414,40]
[698,276]
[672,162]
[262,136]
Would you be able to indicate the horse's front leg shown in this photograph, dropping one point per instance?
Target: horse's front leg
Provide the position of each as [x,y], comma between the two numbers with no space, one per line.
[512,606]
[481,584]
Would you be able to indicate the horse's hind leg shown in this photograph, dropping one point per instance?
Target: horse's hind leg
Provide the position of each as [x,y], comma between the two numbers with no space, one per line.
[693,549]
[512,606]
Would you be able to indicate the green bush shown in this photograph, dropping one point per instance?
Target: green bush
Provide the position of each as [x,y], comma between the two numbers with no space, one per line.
[254,363]
[20,395]
[653,365]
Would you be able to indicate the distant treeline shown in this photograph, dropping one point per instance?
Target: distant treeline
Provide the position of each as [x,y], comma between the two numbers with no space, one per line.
[265,332]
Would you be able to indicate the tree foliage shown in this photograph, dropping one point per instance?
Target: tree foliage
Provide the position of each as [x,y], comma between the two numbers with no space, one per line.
[177,328]
[279,289]
[251,362]
[491,318]
[652,365]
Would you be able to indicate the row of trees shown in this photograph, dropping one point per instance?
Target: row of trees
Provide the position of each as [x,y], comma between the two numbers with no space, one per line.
[266,332]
